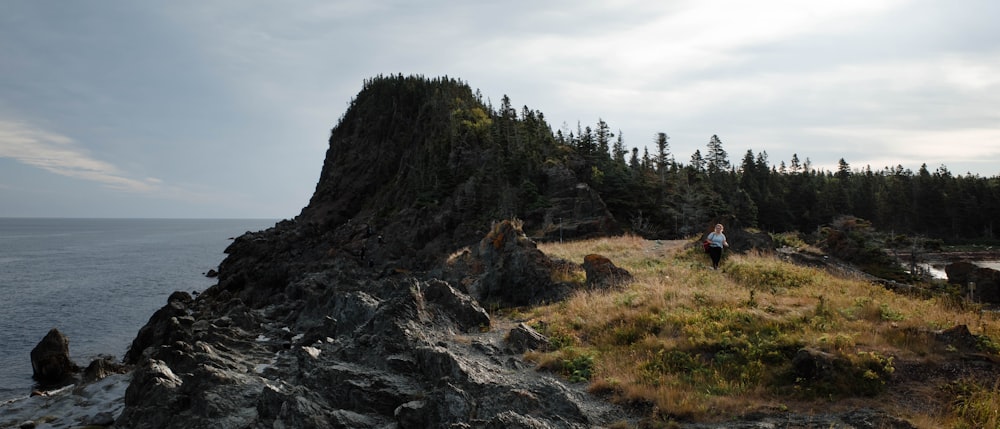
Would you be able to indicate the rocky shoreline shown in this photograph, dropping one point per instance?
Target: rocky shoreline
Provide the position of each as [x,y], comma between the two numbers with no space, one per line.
[352,347]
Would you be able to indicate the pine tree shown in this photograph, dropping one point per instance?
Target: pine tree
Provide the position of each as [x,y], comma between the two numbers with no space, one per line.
[618,151]
[716,157]
[662,155]
[697,162]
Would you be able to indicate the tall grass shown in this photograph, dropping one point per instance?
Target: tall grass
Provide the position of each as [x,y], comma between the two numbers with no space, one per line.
[697,344]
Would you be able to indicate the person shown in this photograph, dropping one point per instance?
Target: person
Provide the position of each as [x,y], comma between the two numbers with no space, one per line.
[716,241]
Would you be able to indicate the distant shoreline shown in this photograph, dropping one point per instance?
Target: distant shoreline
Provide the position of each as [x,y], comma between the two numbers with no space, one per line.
[956,256]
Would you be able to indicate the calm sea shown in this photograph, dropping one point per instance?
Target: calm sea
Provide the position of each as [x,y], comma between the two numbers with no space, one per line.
[97,280]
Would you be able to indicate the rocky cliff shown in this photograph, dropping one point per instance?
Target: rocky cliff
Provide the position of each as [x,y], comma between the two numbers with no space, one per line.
[366,310]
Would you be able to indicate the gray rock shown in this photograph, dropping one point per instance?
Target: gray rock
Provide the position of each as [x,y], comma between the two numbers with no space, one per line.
[50,361]
[523,338]
[512,420]
[465,311]
[513,272]
[102,367]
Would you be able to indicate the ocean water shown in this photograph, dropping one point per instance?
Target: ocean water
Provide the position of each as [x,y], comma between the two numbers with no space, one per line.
[98,281]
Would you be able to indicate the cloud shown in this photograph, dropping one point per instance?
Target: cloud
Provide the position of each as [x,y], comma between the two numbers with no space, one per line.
[965,145]
[61,155]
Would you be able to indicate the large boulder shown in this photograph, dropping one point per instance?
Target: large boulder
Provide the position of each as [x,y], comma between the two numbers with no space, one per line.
[604,274]
[510,271]
[985,281]
[50,361]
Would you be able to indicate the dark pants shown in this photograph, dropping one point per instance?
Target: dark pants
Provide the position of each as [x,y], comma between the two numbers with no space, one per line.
[716,254]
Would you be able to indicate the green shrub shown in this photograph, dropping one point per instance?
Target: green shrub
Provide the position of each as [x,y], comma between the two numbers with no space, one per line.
[770,276]
[577,367]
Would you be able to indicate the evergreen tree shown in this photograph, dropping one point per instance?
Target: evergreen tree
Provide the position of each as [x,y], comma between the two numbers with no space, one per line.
[716,157]
[662,154]
[618,151]
[697,162]
[603,136]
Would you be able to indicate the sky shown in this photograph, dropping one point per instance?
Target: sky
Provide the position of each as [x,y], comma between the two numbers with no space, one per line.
[223,108]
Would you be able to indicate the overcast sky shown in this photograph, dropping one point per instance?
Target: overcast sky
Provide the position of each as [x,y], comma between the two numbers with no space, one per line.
[223,108]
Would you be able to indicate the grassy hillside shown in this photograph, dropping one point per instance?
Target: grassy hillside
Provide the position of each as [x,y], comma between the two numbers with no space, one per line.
[692,344]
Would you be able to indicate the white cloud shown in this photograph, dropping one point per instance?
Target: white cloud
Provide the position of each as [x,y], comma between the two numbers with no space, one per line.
[59,154]
[964,145]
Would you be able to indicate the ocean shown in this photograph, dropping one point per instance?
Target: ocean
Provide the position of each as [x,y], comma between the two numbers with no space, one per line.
[98,281]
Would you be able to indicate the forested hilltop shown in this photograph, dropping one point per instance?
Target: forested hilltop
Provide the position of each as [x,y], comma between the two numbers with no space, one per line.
[653,194]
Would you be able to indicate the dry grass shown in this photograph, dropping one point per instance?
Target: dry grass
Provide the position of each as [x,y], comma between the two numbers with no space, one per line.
[696,344]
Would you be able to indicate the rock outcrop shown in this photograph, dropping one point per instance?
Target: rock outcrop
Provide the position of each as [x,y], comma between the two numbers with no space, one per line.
[50,361]
[506,269]
[985,282]
[364,311]
[604,274]
[345,348]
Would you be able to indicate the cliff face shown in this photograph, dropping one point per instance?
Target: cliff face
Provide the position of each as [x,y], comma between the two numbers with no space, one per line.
[350,314]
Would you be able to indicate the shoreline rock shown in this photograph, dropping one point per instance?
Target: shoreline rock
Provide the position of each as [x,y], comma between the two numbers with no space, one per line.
[51,364]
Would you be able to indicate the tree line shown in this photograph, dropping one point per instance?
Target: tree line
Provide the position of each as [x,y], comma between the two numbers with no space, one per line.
[662,197]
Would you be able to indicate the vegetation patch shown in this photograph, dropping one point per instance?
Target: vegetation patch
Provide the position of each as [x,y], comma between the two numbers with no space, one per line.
[975,405]
[696,344]
[771,275]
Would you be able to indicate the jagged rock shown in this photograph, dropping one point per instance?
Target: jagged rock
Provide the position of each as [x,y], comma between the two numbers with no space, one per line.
[603,274]
[513,271]
[152,396]
[50,361]
[157,331]
[523,338]
[294,410]
[467,312]
[102,367]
